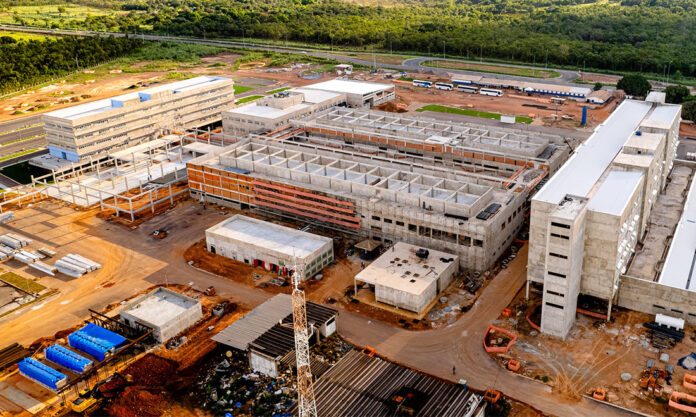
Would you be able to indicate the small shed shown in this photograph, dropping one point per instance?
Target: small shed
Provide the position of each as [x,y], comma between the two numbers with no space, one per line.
[368,249]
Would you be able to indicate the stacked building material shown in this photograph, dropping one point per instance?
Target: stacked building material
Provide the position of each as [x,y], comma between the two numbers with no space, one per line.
[75,265]
[10,241]
[12,354]
[6,252]
[25,257]
[47,252]
[6,216]
[67,358]
[95,341]
[42,374]
[81,260]
[25,241]
[44,267]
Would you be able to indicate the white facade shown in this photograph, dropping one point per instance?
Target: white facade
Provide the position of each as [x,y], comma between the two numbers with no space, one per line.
[167,312]
[404,280]
[277,248]
[585,222]
[358,93]
[93,129]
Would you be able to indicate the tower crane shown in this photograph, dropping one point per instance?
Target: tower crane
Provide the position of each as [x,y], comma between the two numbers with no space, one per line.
[305,388]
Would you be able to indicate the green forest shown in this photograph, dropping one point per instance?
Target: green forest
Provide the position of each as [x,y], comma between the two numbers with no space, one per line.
[651,36]
[29,62]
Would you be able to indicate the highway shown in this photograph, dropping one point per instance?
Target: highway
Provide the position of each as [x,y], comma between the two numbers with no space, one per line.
[413,64]
[14,133]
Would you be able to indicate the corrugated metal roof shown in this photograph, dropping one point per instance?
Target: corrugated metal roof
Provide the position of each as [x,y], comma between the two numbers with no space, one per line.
[278,341]
[362,386]
[255,324]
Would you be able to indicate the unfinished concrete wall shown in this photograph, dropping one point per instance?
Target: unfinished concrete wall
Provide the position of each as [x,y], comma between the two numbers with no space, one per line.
[653,298]
[262,364]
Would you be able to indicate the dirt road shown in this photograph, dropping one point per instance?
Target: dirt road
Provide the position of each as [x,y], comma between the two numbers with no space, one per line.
[460,345]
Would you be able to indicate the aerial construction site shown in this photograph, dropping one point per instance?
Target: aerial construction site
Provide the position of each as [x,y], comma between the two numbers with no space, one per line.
[332,250]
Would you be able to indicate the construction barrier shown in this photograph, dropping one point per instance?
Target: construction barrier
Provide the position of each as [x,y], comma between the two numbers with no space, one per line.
[689,382]
[513,365]
[599,394]
[676,399]
[498,349]
[492,396]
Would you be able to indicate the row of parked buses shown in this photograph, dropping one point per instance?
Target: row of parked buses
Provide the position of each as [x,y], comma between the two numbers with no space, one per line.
[462,88]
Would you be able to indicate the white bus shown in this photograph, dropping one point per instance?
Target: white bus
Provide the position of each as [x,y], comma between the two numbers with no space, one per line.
[491,92]
[421,83]
[444,86]
[467,89]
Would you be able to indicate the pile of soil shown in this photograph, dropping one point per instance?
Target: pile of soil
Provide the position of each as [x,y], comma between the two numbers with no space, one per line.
[138,403]
[151,370]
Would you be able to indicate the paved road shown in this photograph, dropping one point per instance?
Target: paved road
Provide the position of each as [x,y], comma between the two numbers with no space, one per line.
[19,123]
[567,76]
[408,65]
[21,134]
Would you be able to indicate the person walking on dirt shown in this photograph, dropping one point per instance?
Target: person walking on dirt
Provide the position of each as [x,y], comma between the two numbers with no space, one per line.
[454,370]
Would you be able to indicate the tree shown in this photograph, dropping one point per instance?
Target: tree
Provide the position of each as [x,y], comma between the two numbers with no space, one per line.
[597,86]
[634,84]
[61,10]
[689,110]
[676,94]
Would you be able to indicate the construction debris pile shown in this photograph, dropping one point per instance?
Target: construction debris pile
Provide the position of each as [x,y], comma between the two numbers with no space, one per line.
[230,388]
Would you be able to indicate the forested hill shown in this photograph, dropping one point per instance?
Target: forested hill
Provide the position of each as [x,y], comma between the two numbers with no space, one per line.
[637,35]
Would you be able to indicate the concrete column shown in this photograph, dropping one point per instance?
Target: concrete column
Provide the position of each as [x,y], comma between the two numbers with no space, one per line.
[526,292]
[162,169]
[125,180]
[72,192]
[134,164]
[140,184]
[171,197]
[130,205]
[152,203]
[101,201]
[116,205]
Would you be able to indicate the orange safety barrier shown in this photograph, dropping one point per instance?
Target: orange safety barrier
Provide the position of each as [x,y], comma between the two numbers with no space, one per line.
[529,320]
[592,314]
[514,365]
[498,349]
[368,350]
[689,382]
[506,312]
[599,394]
[492,396]
[682,401]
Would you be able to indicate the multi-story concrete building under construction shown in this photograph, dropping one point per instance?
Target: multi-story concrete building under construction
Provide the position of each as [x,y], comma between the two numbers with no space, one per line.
[585,222]
[92,129]
[455,188]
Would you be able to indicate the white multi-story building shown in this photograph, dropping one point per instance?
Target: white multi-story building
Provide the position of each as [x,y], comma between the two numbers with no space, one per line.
[93,129]
[586,220]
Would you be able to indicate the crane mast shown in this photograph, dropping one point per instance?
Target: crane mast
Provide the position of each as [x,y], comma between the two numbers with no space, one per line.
[305,387]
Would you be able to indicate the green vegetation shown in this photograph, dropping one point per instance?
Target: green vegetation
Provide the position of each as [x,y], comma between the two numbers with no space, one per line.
[278,90]
[405,78]
[175,75]
[276,59]
[676,94]
[21,36]
[248,99]
[615,35]
[689,110]
[21,282]
[466,112]
[494,69]
[598,86]
[25,62]
[239,89]
[634,84]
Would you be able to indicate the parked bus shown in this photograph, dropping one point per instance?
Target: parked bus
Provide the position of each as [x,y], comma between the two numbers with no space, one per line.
[421,83]
[491,92]
[444,86]
[467,89]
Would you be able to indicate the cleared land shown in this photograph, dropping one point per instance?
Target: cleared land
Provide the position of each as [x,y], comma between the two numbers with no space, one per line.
[494,69]
[380,58]
[45,15]
[467,112]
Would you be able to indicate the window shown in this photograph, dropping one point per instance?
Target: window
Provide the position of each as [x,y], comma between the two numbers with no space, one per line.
[556,255]
[412,228]
[478,242]
[558,294]
[376,218]
[398,223]
[387,220]
[658,307]
[561,225]
[556,274]
[560,236]
[677,311]
[554,305]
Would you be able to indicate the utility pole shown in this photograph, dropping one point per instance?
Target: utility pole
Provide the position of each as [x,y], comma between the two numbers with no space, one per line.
[305,389]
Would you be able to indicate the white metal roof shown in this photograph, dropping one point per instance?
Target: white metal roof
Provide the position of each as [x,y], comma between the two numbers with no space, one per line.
[349,86]
[664,113]
[614,193]
[267,111]
[271,236]
[580,173]
[88,109]
[678,270]
[316,96]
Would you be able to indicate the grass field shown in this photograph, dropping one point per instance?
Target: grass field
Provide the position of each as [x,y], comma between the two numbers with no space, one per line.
[21,282]
[41,15]
[493,69]
[466,112]
[278,90]
[239,89]
[248,99]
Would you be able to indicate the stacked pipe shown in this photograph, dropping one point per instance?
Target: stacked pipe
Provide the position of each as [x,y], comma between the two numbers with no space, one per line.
[75,265]
[23,240]
[44,267]
[6,216]
[6,252]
